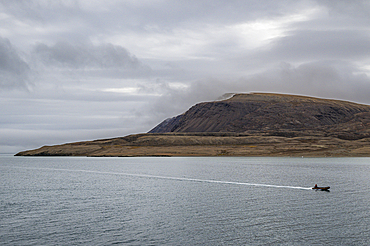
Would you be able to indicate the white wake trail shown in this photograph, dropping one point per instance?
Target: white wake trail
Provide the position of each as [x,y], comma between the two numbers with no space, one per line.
[163,177]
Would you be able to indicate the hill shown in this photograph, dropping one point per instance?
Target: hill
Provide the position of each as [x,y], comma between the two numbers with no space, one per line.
[256,124]
[273,113]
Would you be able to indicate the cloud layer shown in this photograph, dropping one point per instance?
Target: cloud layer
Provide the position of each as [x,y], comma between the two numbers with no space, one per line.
[78,70]
[14,71]
[106,56]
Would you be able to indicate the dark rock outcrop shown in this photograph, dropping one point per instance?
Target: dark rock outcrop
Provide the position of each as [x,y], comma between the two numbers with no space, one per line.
[167,125]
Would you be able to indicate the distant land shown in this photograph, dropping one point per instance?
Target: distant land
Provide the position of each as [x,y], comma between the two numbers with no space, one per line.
[254,124]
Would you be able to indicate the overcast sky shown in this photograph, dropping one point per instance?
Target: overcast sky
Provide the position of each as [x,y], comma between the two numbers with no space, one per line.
[88,69]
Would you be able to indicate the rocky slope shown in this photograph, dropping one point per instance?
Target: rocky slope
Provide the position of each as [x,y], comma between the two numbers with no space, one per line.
[258,124]
[273,113]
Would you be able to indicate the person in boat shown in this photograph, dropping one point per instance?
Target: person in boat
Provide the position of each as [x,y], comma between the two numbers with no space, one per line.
[315,186]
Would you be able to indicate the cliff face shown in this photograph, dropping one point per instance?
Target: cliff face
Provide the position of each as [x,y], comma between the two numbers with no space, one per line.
[274,114]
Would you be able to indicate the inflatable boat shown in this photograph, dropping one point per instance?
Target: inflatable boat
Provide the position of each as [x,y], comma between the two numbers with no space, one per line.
[320,188]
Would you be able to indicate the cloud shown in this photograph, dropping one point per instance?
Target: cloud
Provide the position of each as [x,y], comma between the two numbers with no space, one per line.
[14,71]
[77,56]
[327,79]
[358,8]
[312,44]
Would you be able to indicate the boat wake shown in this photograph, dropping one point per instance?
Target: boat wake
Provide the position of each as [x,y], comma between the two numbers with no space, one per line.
[166,177]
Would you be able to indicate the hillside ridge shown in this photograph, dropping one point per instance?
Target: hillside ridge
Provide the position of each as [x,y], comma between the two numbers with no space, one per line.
[264,112]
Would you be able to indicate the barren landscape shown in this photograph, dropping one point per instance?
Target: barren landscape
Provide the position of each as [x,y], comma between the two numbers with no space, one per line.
[207,145]
[256,124]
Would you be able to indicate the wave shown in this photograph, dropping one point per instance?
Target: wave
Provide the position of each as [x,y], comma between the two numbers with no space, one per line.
[164,177]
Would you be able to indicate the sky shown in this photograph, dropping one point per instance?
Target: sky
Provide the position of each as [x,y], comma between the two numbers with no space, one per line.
[75,70]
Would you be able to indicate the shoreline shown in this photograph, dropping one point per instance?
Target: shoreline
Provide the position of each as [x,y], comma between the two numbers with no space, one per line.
[209,145]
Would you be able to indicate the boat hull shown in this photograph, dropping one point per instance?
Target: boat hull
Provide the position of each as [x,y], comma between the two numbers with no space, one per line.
[321,188]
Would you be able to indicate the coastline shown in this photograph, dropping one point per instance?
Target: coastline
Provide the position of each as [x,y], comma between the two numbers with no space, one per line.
[209,145]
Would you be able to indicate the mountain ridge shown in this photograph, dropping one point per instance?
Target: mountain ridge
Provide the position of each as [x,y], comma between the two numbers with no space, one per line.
[264,112]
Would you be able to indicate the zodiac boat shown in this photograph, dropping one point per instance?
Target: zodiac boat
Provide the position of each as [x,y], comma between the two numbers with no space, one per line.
[320,188]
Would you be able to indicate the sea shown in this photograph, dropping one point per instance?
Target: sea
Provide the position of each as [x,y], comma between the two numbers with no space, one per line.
[184,201]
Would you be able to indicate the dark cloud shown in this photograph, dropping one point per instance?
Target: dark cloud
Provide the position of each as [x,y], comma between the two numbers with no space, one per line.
[14,71]
[78,56]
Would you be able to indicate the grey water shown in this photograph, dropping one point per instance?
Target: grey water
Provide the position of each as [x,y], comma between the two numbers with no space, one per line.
[184,201]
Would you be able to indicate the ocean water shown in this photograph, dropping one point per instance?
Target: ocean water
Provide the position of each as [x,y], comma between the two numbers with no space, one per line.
[184,201]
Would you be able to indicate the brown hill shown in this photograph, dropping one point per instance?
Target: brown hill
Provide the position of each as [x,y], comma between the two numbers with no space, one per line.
[275,114]
[258,124]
